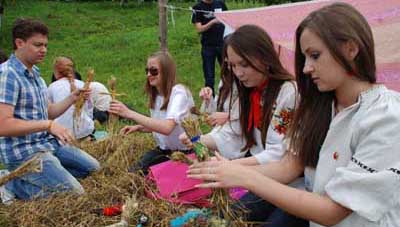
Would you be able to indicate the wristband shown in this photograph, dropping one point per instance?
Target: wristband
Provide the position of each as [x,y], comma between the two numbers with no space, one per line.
[49,126]
[195,139]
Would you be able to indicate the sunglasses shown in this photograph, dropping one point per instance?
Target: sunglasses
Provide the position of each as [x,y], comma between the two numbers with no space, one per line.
[153,71]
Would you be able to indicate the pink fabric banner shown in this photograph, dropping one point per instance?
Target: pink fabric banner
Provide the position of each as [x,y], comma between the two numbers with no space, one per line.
[281,21]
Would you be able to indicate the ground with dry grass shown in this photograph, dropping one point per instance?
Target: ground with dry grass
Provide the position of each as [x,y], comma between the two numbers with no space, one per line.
[111,185]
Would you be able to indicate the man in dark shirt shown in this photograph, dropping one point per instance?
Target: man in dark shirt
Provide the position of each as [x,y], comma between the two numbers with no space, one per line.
[212,32]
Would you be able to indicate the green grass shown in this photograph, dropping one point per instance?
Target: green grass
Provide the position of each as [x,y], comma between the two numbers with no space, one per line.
[113,40]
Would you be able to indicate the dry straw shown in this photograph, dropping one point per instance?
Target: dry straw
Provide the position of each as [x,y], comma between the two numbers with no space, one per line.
[34,165]
[220,197]
[112,84]
[110,186]
[81,100]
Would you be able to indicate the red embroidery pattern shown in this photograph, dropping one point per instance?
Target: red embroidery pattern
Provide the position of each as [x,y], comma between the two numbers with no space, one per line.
[282,120]
[335,155]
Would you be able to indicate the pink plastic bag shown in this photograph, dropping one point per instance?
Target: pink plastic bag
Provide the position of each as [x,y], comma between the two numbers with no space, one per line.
[173,184]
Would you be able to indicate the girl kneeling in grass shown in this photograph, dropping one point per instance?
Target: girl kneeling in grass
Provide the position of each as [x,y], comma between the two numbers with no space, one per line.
[344,138]
[226,136]
[65,83]
[267,99]
[266,96]
[169,103]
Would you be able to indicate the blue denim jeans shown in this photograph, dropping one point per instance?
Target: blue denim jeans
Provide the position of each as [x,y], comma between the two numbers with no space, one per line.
[59,169]
[259,210]
[208,55]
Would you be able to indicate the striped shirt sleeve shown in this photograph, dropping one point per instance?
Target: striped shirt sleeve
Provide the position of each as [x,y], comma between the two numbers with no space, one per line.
[9,87]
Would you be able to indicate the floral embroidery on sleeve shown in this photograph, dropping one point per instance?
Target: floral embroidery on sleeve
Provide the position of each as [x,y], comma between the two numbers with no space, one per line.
[282,119]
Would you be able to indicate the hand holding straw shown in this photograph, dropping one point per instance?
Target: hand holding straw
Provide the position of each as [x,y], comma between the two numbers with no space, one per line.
[81,100]
[192,129]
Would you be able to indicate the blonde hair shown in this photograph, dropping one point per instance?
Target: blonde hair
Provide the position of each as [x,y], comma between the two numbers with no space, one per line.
[65,70]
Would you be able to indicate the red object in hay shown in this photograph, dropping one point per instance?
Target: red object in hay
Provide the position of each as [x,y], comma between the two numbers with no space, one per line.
[109,211]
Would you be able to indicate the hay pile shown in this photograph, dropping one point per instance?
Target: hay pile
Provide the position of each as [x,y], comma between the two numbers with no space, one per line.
[110,186]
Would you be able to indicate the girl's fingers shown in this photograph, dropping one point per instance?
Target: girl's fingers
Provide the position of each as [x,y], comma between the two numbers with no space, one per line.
[219,156]
[204,176]
[123,131]
[198,165]
[129,130]
[115,102]
[209,185]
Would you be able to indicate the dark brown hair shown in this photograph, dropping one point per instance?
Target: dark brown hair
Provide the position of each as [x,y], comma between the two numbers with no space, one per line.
[227,80]
[167,74]
[255,46]
[335,25]
[26,28]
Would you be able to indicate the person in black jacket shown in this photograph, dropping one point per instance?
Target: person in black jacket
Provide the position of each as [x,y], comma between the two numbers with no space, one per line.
[212,32]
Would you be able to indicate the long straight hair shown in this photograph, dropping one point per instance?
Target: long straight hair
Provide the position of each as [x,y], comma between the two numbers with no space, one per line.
[335,25]
[255,46]
[167,74]
[227,80]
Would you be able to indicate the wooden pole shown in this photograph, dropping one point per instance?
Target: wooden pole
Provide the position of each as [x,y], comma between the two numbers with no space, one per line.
[163,24]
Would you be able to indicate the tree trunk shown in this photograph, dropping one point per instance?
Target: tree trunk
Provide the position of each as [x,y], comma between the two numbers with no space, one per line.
[163,24]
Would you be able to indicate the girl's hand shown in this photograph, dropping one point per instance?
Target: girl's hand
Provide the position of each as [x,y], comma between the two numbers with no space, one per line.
[218,157]
[220,174]
[118,108]
[75,94]
[185,140]
[129,129]
[218,118]
[206,94]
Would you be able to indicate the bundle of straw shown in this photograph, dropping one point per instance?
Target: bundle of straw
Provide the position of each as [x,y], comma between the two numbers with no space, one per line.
[178,156]
[220,196]
[81,100]
[34,165]
[192,129]
[112,117]
[202,116]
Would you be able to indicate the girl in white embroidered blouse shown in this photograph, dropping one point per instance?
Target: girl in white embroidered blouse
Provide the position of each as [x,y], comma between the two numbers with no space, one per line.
[169,103]
[267,98]
[344,135]
[223,115]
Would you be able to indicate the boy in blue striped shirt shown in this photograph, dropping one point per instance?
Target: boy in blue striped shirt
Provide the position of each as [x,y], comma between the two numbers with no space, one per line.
[26,119]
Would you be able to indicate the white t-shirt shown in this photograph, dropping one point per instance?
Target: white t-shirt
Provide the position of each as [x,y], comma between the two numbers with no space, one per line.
[100,96]
[178,108]
[359,161]
[61,89]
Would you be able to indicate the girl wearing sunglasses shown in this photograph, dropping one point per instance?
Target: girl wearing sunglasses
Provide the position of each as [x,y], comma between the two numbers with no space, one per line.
[169,103]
